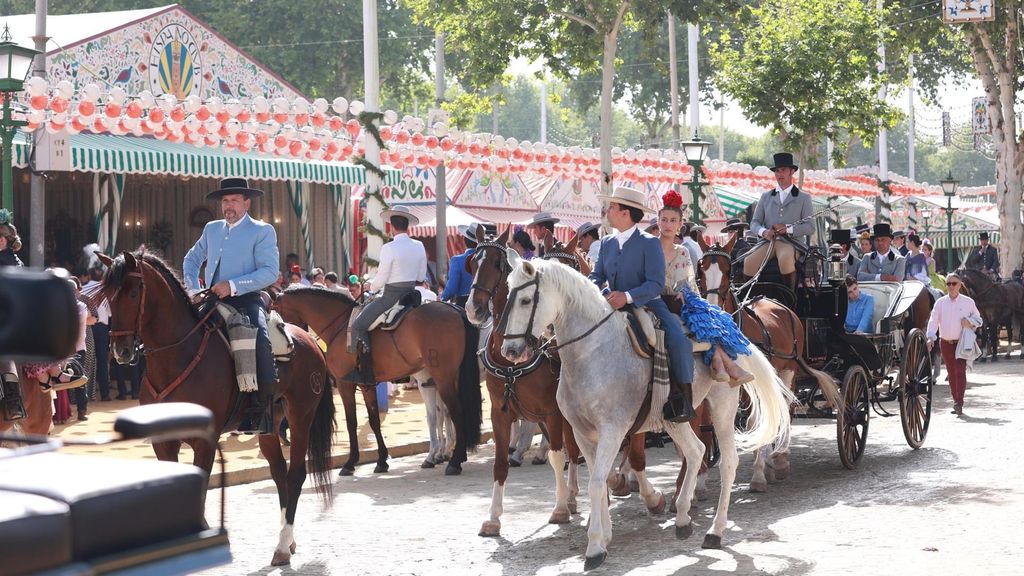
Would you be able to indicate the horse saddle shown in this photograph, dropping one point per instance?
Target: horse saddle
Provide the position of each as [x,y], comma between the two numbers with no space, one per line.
[640,328]
[281,343]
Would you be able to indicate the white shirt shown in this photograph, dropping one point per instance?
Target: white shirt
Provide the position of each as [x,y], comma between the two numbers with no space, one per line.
[947,314]
[594,252]
[784,196]
[401,260]
[103,308]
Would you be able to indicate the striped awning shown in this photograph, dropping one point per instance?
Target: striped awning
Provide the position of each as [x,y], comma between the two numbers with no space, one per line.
[733,200]
[962,239]
[130,155]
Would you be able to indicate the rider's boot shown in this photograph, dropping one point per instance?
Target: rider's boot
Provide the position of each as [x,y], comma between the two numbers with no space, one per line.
[679,406]
[363,372]
[13,407]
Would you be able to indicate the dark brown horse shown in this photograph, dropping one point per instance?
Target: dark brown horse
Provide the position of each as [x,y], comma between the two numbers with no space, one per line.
[187,360]
[1000,304]
[518,390]
[773,328]
[434,341]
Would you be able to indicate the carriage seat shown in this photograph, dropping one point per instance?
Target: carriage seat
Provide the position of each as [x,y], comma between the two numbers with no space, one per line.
[35,533]
[109,504]
[884,294]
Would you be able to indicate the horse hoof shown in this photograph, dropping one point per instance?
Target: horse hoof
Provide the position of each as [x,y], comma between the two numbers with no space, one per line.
[622,490]
[759,487]
[452,469]
[292,548]
[684,532]
[634,486]
[594,561]
[559,517]
[782,473]
[712,541]
[514,463]
[537,461]
[659,508]
[281,559]
[573,507]
[346,471]
[428,463]
[491,529]
[769,474]
[381,468]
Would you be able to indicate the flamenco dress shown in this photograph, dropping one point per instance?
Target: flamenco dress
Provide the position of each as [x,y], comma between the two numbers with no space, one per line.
[709,323]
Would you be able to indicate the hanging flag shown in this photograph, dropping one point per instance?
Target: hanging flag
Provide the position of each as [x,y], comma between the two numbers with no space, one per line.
[979,116]
[959,11]
[947,130]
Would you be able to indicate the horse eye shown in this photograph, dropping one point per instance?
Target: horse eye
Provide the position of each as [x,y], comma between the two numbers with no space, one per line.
[524,301]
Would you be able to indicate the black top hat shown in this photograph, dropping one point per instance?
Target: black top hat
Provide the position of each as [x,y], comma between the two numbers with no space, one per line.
[840,236]
[881,230]
[783,160]
[983,236]
[234,186]
[735,224]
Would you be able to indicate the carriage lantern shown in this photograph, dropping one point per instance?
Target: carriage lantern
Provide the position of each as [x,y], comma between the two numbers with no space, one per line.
[836,264]
[15,63]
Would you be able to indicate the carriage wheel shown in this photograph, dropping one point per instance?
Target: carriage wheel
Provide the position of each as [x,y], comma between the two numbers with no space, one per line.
[916,381]
[852,421]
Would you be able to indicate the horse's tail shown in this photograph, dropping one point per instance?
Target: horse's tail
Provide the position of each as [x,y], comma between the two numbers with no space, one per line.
[470,396]
[826,384]
[769,419]
[321,437]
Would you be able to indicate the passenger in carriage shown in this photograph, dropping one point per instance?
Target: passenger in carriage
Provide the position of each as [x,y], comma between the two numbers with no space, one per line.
[864,245]
[884,263]
[844,238]
[706,322]
[632,265]
[860,310]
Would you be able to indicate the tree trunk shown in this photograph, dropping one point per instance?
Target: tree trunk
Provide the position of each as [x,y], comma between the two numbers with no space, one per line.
[607,78]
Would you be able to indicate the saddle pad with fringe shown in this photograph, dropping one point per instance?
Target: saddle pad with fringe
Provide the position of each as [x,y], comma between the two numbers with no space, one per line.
[242,340]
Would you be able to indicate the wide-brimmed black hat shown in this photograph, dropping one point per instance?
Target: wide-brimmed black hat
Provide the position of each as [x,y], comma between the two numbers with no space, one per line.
[234,186]
[840,236]
[983,236]
[735,224]
[881,230]
[899,234]
[783,160]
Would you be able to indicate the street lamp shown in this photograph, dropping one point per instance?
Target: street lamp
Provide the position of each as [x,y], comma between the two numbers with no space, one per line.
[949,186]
[15,63]
[926,215]
[696,151]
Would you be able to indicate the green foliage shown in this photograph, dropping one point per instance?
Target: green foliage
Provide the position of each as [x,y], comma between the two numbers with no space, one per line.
[807,69]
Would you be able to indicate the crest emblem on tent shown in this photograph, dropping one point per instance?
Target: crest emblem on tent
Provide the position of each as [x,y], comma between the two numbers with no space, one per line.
[175,63]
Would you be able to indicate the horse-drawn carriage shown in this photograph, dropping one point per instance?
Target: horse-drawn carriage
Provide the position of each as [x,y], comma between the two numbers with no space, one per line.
[892,363]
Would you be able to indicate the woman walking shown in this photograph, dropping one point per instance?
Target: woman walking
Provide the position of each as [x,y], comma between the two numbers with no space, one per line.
[953,315]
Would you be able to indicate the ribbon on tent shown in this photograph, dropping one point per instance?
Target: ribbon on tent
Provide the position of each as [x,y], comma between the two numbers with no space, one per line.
[107,193]
[300,203]
[341,201]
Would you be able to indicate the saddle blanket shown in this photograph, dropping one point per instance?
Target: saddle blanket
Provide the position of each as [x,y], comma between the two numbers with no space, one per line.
[242,341]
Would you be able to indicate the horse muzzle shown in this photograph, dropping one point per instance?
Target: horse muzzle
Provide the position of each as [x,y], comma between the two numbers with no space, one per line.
[125,351]
[515,350]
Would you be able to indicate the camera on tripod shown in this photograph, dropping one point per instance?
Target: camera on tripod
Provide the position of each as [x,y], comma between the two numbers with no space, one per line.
[38,316]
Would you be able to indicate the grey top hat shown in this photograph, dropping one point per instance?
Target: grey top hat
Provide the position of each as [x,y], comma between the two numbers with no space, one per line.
[234,186]
[400,210]
[541,217]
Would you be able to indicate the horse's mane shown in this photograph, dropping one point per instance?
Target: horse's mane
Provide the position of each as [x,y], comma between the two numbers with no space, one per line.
[117,273]
[581,295]
[341,295]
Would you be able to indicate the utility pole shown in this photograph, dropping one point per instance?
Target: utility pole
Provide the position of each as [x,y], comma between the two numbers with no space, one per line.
[371,76]
[673,75]
[693,36]
[37,209]
[884,208]
[441,204]
[910,126]
[544,110]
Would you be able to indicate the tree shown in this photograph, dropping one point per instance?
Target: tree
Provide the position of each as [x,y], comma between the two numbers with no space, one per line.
[996,50]
[809,81]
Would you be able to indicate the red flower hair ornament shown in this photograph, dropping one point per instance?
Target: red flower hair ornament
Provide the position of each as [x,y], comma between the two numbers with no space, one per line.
[672,199]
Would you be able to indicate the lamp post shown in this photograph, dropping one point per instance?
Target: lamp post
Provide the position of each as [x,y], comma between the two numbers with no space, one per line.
[696,150]
[15,63]
[949,186]
[926,215]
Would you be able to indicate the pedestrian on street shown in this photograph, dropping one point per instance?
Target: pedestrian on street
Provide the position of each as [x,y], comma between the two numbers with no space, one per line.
[953,314]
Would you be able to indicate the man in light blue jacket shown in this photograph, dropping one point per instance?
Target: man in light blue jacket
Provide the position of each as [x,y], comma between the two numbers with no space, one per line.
[241,258]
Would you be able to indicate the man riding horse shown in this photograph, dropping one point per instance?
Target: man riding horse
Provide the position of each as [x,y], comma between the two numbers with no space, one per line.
[783,221]
[403,265]
[460,281]
[885,263]
[242,259]
[632,264]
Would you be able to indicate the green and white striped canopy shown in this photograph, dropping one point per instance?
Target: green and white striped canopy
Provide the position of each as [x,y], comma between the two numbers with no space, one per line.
[733,200]
[130,155]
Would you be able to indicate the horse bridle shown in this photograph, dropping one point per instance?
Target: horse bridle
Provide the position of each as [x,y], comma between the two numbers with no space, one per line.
[513,294]
[503,268]
[723,291]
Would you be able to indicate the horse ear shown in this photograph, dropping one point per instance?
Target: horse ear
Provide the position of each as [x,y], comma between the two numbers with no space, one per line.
[106,260]
[571,246]
[549,242]
[129,259]
[528,267]
[480,234]
[513,258]
[700,242]
[503,239]
[731,243]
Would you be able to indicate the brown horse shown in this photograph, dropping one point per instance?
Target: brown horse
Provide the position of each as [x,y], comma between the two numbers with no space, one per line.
[433,341]
[773,328]
[1000,304]
[518,390]
[38,409]
[187,360]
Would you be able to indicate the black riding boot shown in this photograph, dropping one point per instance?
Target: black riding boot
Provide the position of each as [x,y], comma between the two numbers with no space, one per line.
[14,408]
[679,406]
[363,372]
[258,417]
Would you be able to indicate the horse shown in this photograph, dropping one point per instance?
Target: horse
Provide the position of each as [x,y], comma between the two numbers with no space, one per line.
[187,361]
[604,395]
[1000,304]
[38,408]
[414,348]
[525,390]
[775,330]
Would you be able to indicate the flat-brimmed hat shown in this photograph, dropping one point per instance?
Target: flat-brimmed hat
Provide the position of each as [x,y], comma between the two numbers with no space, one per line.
[626,197]
[694,227]
[586,228]
[469,232]
[735,224]
[881,230]
[783,160]
[542,217]
[899,234]
[840,236]
[400,210]
[983,236]
[234,186]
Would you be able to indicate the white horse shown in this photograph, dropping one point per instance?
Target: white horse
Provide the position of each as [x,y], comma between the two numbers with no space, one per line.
[603,384]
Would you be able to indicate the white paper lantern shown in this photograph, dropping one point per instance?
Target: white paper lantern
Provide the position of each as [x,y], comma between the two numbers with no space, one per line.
[339,105]
[281,105]
[90,93]
[260,105]
[214,104]
[65,88]
[167,102]
[440,129]
[36,116]
[232,126]
[320,105]
[301,105]
[356,107]
[271,128]
[390,117]
[36,86]
[146,99]
[306,133]
[192,103]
